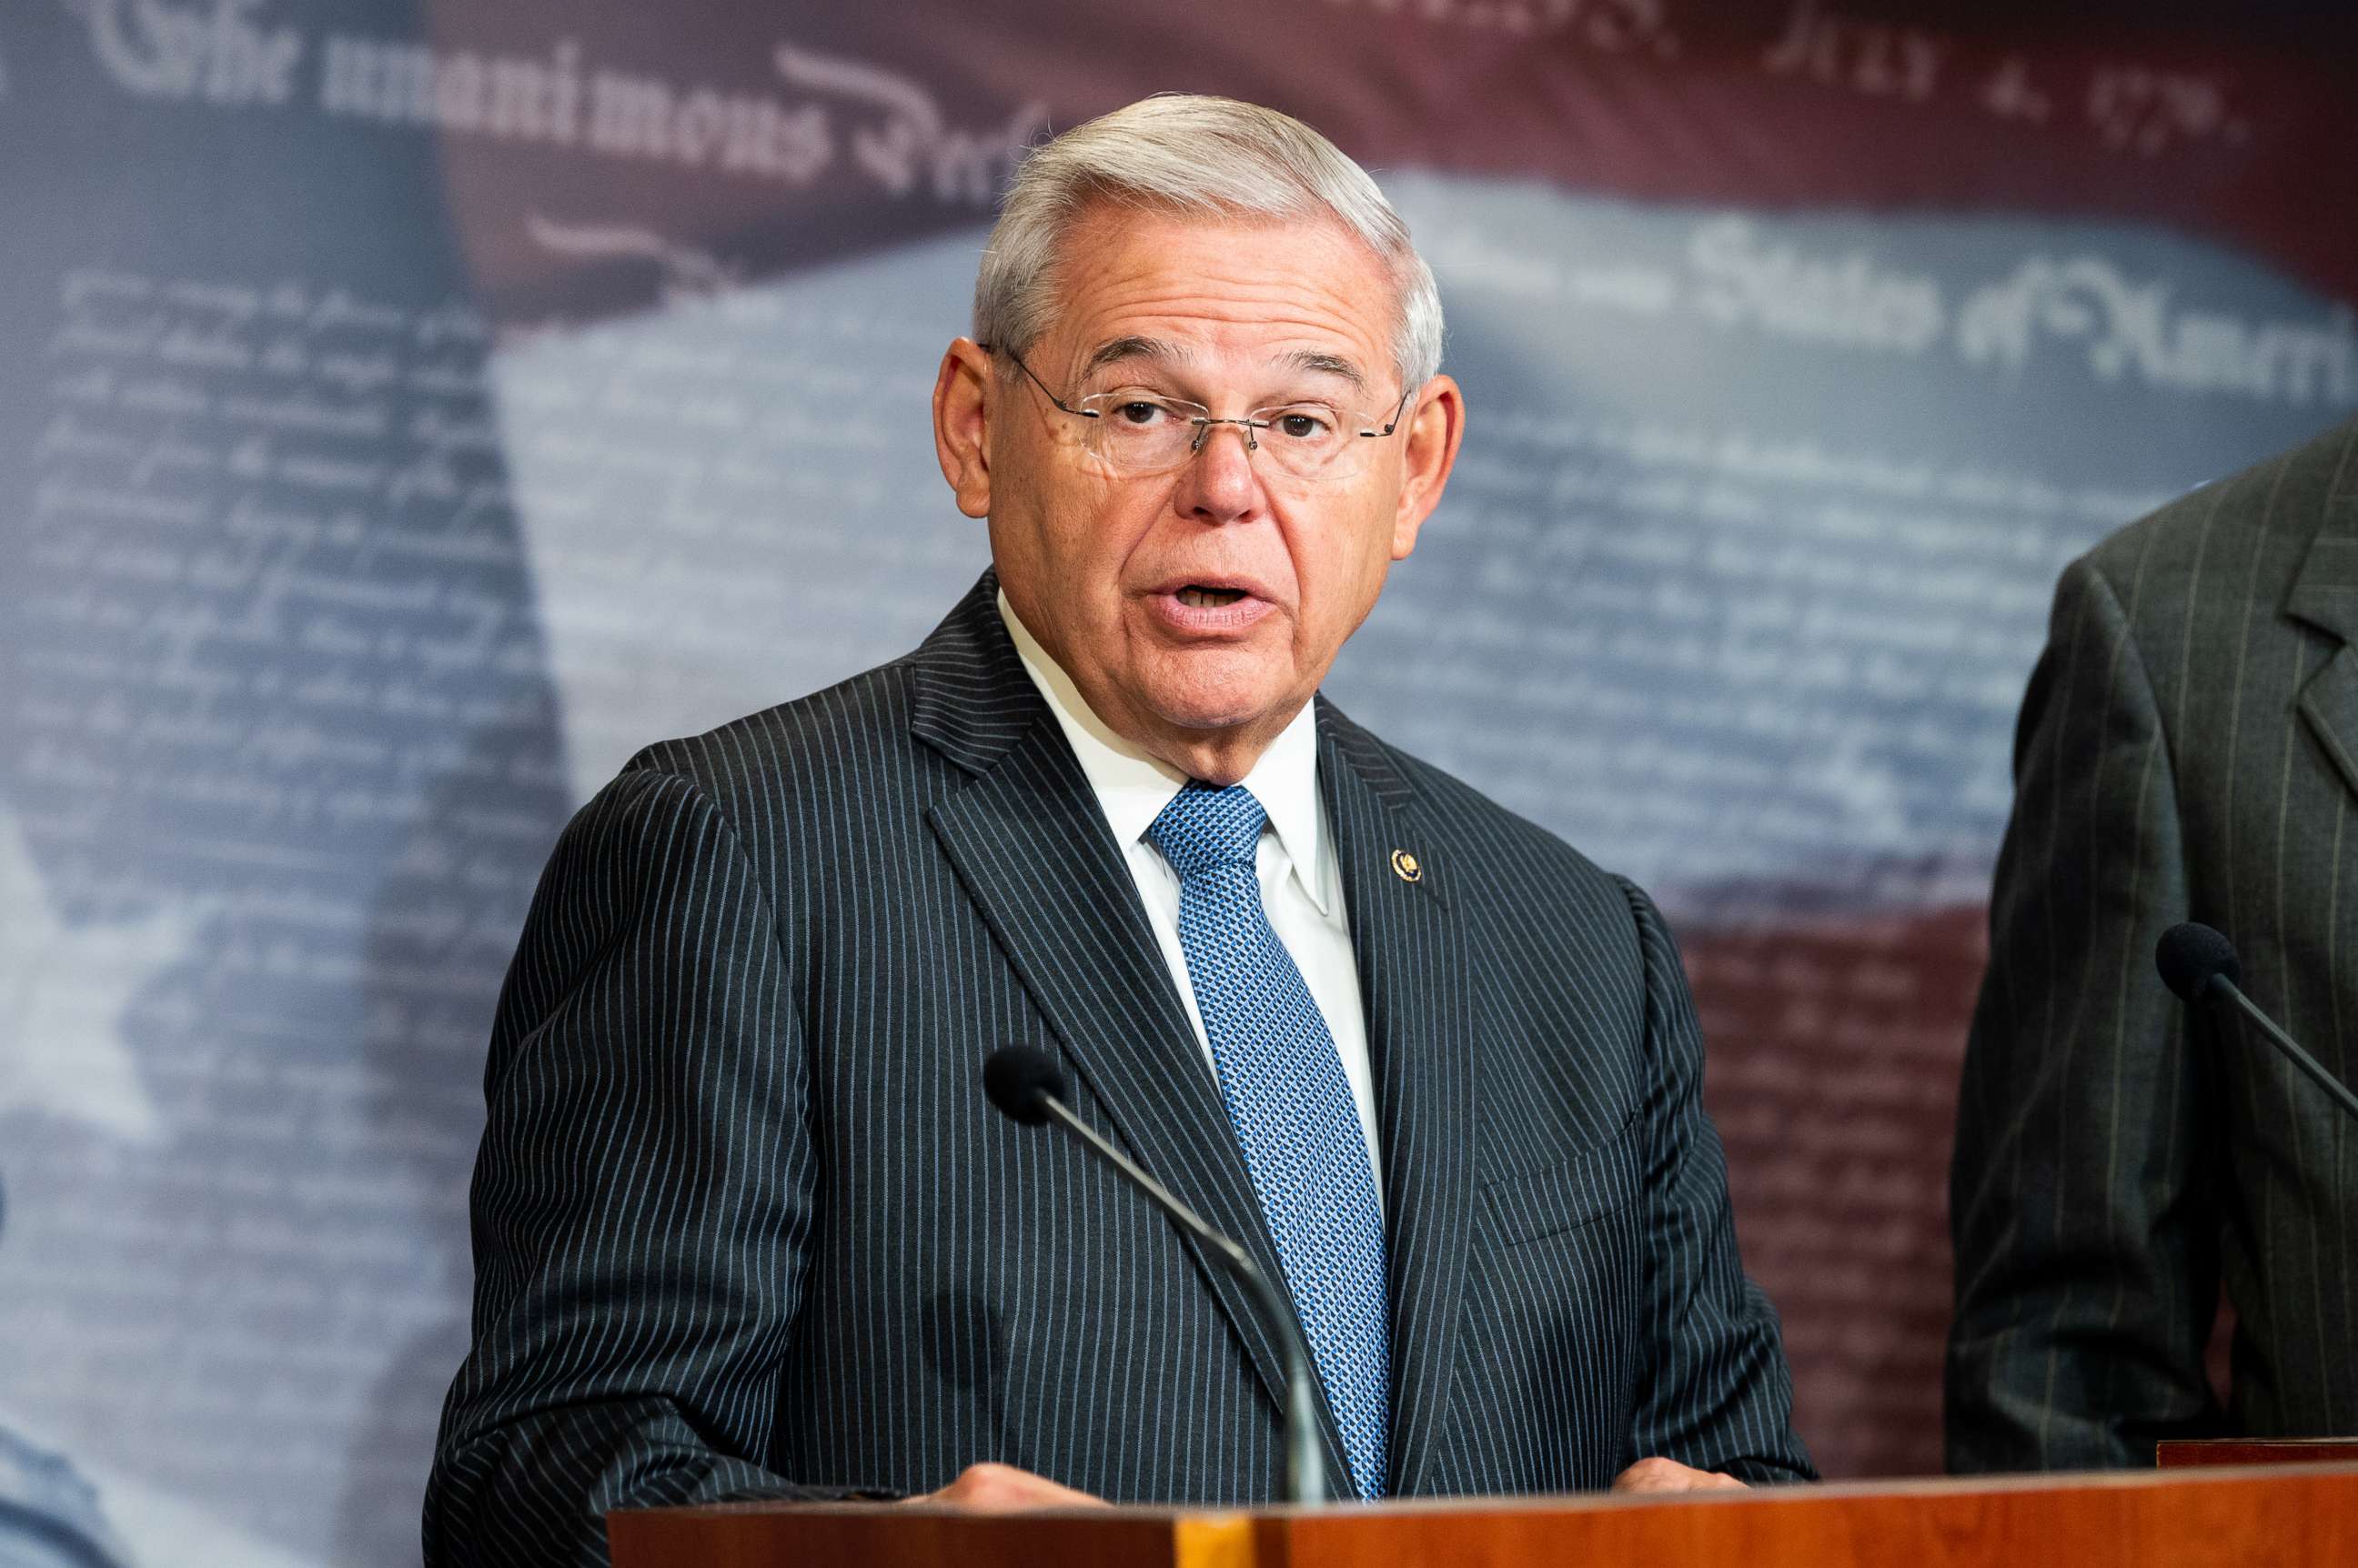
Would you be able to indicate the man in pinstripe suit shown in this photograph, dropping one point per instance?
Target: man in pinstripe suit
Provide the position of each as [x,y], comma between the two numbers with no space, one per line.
[2188,751]
[745,1223]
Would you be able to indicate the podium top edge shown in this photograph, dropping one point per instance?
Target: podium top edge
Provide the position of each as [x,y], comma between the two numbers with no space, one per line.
[1220,1515]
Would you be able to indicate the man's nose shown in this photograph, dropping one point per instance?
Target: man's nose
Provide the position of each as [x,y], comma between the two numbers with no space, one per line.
[1218,484]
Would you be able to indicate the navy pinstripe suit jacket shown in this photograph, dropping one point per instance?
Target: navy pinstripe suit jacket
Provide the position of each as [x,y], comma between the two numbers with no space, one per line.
[745,1226]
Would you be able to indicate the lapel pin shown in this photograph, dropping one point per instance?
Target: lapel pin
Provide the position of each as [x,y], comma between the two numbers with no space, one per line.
[1406,867]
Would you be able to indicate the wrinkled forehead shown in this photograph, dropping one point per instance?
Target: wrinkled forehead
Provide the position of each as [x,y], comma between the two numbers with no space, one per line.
[1111,359]
[1196,295]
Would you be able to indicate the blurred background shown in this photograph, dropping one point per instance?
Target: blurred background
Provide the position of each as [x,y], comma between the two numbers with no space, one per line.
[407,411]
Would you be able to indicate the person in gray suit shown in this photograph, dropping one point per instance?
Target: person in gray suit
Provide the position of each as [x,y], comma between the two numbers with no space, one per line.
[2187,751]
[745,1226]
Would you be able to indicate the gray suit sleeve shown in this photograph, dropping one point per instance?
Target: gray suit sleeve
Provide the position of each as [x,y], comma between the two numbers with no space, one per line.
[642,1196]
[2081,1196]
[1718,1394]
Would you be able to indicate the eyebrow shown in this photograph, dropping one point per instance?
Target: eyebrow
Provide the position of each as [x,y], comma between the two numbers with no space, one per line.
[1311,360]
[1115,351]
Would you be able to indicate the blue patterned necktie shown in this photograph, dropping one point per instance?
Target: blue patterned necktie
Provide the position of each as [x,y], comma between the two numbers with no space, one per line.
[1292,1110]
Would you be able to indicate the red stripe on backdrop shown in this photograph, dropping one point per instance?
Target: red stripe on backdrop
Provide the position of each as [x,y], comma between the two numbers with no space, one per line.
[1832,1078]
[2232,123]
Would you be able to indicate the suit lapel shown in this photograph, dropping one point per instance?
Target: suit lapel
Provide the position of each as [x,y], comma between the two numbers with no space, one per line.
[2325,596]
[2329,703]
[1030,848]
[1411,957]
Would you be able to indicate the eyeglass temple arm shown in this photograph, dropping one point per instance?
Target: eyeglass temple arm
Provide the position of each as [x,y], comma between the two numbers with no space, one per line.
[1398,409]
[1062,407]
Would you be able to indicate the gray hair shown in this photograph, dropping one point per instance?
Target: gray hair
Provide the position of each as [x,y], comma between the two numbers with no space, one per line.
[1195,154]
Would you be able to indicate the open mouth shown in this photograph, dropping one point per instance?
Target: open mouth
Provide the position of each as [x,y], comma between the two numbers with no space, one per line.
[1197,598]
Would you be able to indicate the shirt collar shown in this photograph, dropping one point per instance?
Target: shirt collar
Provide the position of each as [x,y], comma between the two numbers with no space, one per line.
[1132,788]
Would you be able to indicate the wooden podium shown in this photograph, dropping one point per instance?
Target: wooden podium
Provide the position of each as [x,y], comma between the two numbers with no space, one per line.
[2208,1518]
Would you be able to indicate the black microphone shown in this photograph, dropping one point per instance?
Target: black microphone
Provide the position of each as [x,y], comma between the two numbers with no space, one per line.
[1027,1086]
[2200,964]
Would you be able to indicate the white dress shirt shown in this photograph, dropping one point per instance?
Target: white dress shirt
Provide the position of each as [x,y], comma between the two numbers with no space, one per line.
[1301,877]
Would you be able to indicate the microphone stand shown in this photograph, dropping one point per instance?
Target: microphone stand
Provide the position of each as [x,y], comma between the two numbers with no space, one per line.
[2334,1086]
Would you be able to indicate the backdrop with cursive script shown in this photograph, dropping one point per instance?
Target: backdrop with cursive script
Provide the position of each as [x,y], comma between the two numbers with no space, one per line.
[414,408]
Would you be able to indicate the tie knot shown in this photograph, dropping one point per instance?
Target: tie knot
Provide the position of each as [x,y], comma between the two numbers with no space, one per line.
[1203,828]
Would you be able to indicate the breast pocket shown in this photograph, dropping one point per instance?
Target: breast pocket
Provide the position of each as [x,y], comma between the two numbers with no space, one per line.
[1561,1198]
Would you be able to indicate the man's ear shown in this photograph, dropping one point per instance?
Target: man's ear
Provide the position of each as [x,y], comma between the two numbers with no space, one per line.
[1436,424]
[962,424]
